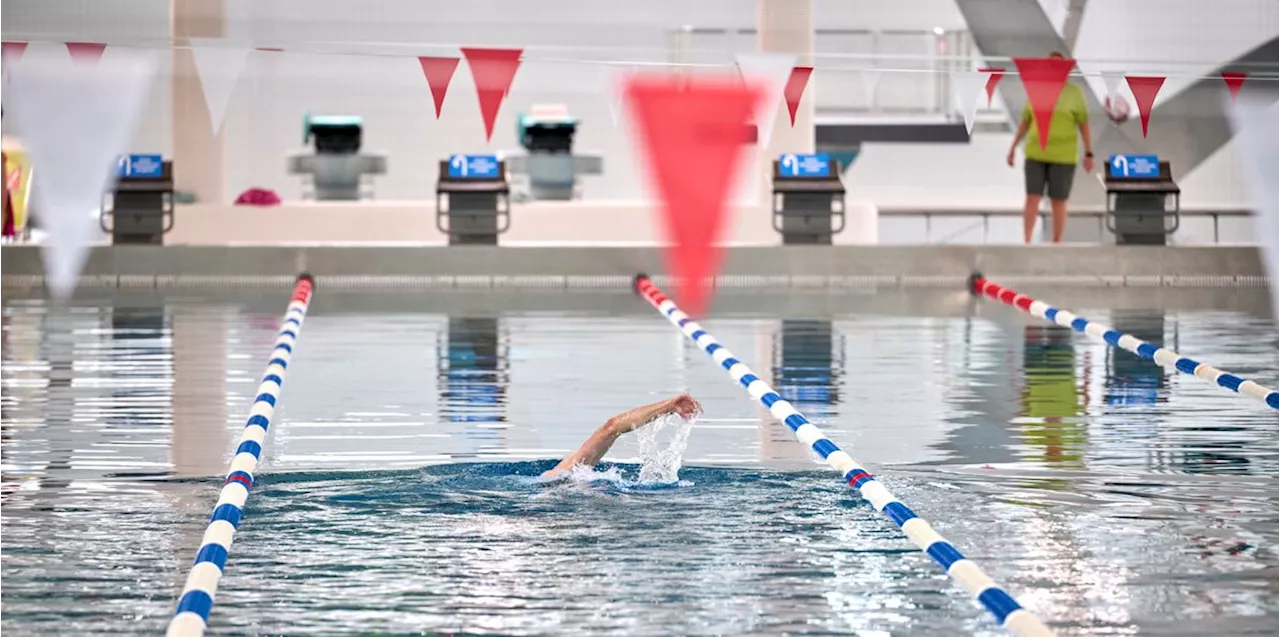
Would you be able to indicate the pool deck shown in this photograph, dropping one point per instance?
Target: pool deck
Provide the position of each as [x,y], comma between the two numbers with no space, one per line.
[365,266]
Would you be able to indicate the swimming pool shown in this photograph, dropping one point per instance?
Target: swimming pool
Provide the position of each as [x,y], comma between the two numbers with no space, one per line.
[398,492]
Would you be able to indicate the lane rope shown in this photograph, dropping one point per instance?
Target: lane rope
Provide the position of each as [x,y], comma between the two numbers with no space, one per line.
[192,615]
[1007,611]
[1164,357]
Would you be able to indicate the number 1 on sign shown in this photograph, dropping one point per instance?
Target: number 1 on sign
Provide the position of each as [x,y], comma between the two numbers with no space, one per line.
[460,162]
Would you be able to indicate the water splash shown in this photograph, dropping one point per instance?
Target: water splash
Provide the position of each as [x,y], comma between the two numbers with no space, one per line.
[662,445]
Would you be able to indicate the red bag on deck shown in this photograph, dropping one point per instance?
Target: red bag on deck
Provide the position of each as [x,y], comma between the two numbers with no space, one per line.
[258,197]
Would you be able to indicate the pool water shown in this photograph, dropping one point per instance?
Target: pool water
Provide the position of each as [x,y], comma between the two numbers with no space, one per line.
[399,489]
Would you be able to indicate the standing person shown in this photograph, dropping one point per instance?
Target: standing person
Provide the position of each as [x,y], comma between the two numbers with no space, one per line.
[1053,168]
[6,203]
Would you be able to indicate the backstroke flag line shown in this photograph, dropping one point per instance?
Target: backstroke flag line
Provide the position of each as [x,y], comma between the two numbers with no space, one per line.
[86,52]
[1234,81]
[967,86]
[75,120]
[493,70]
[1111,79]
[11,53]
[614,79]
[870,80]
[769,71]
[993,79]
[1144,91]
[439,72]
[1257,127]
[219,64]
[795,89]
[690,142]
[1043,79]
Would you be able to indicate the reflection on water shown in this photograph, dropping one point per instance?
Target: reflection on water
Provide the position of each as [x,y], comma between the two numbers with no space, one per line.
[1112,495]
[474,379]
[808,369]
[1132,380]
[1052,397]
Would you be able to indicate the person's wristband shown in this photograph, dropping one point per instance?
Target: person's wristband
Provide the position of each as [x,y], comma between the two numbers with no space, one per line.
[1089,154]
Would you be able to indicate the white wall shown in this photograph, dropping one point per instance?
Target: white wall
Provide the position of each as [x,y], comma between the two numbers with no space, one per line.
[1179,39]
[358,57]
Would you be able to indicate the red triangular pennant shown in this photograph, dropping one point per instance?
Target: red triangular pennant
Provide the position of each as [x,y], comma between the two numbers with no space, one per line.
[1043,78]
[1144,93]
[795,89]
[493,70]
[439,72]
[1234,81]
[995,73]
[86,52]
[693,151]
[12,51]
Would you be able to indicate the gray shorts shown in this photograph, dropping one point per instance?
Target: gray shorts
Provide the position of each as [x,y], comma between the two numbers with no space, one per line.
[1056,178]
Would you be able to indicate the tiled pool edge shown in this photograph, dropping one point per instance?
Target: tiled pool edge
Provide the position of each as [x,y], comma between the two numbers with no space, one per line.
[398,267]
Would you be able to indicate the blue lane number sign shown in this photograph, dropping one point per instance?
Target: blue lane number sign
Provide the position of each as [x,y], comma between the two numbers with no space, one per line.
[473,167]
[792,165]
[142,166]
[1135,166]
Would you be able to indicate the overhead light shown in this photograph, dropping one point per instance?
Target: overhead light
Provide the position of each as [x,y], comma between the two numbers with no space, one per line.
[938,30]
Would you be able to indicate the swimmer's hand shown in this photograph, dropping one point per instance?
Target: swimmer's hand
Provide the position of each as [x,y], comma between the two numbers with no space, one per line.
[594,448]
[684,405]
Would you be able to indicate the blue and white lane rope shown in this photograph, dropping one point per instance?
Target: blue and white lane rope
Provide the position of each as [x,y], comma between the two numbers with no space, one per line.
[1161,356]
[1001,604]
[192,615]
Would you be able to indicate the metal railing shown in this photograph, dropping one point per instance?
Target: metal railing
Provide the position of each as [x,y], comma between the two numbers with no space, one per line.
[915,66]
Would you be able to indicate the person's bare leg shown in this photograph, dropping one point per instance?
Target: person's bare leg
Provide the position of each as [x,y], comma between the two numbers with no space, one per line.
[1029,213]
[1059,207]
[599,443]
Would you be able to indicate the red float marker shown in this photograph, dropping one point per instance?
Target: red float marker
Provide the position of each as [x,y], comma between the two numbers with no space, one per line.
[1043,78]
[1144,93]
[493,71]
[994,74]
[439,72]
[692,147]
[1234,81]
[86,52]
[795,89]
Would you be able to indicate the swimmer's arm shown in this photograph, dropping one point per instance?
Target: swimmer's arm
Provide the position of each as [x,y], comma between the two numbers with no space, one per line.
[602,440]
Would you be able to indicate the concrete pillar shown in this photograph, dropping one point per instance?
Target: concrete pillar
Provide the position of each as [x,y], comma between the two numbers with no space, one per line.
[784,26]
[197,151]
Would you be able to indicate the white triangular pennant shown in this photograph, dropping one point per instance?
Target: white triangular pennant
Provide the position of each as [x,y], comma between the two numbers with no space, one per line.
[75,121]
[614,82]
[1112,81]
[771,71]
[870,79]
[966,87]
[1257,125]
[219,64]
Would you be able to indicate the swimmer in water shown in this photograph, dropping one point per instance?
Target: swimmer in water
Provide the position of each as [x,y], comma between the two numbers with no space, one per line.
[599,443]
